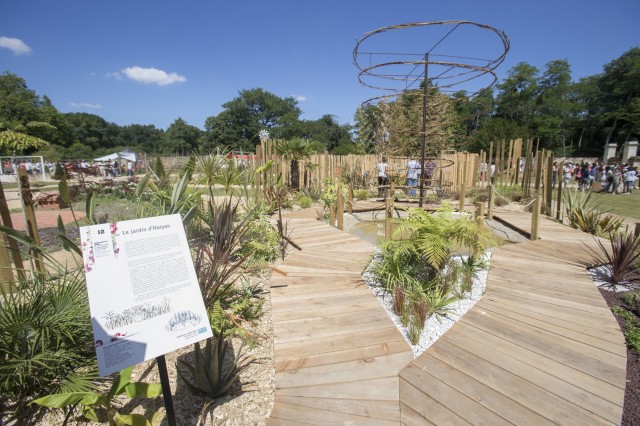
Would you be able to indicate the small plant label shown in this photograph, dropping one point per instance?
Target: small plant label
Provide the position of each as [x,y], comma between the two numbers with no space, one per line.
[143,290]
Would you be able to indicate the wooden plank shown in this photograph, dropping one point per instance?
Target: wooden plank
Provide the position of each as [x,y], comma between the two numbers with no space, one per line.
[292,335]
[561,388]
[311,416]
[363,389]
[363,353]
[464,397]
[582,357]
[523,392]
[374,409]
[345,372]
[582,380]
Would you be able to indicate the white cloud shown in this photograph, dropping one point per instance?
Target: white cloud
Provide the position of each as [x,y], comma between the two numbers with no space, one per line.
[300,98]
[85,105]
[16,45]
[115,75]
[152,76]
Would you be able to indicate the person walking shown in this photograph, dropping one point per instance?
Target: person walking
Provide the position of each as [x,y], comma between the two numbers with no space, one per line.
[413,171]
[383,179]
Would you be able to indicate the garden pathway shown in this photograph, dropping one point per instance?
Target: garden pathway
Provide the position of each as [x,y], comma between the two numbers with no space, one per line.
[541,346]
[337,353]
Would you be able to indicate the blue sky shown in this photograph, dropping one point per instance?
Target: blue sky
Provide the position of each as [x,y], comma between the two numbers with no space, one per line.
[150,62]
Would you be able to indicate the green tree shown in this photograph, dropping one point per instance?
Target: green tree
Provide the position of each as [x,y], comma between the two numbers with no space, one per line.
[619,89]
[369,129]
[472,112]
[180,138]
[516,98]
[556,106]
[238,125]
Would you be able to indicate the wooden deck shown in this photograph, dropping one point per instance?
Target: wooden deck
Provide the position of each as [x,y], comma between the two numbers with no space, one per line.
[337,353]
[541,347]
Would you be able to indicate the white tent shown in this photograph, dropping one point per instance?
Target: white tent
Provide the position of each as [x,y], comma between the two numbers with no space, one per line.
[129,156]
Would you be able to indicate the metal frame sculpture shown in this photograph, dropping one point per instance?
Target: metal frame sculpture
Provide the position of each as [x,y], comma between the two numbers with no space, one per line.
[458,69]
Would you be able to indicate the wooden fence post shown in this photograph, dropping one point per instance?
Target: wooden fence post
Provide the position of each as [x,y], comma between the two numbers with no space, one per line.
[548,185]
[30,214]
[350,198]
[388,218]
[332,214]
[340,209]
[5,214]
[463,188]
[490,203]
[535,218]
[559,202]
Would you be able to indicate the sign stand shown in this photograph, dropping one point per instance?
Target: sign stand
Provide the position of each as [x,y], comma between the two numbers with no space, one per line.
[166,390]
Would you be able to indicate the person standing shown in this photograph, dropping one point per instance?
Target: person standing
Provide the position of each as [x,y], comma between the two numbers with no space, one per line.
[413,171]
[130,168]
[383,179]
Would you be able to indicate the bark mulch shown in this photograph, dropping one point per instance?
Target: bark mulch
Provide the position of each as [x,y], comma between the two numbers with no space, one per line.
[631,411]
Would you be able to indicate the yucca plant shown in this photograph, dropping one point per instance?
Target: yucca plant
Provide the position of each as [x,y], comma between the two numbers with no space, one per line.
[618,264]
[216,263]
[208,375]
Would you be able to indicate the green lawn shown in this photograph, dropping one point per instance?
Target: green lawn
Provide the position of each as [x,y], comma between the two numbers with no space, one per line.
[627,205]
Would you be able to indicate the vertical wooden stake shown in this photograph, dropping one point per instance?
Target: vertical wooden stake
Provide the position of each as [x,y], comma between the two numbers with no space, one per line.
[350,199]
[5,215]
[559,201]
[548,185]
[30,214]
[340,209]
[388,218]
[490,203]
[535,218]
[463,188]
[479,212]
[332,215]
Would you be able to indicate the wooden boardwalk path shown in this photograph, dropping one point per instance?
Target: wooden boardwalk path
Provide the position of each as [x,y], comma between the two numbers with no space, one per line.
[337,353]
[541,347]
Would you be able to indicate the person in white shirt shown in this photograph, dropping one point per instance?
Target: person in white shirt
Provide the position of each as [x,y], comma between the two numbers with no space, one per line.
[413,171]
[383,179]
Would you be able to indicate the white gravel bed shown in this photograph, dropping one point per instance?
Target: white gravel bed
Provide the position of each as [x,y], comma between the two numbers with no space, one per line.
[598,272]
[436,325]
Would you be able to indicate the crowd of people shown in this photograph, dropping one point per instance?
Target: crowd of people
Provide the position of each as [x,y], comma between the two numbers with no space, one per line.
[612,178]
[414,172]
[11,167]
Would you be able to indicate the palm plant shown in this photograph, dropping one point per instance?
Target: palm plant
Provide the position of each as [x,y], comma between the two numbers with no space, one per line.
[45,339]
[434,236]
[295,150]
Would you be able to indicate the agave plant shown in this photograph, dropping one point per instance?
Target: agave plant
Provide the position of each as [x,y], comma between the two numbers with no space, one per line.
[207,374]
[584,213]
[618,264]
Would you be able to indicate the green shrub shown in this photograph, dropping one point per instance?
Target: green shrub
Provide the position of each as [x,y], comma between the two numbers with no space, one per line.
[159,168]
[305,202]
[361,194]
[260,242]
